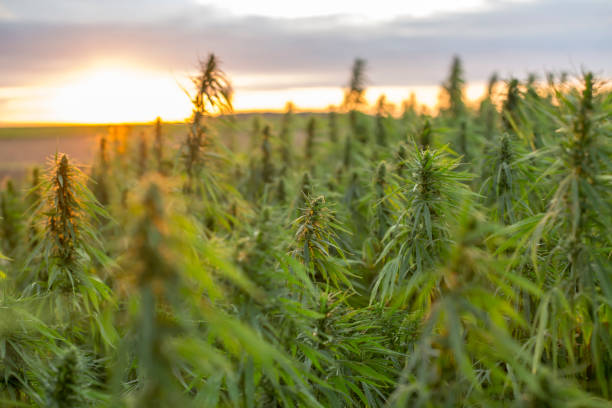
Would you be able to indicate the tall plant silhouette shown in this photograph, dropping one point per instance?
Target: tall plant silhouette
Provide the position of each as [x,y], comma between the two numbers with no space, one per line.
[453,88]
[354,97]
[213,94]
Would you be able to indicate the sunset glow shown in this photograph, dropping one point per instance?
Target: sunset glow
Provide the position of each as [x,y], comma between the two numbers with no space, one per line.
[119,94]
[115,94]
[130,61]
[102,94]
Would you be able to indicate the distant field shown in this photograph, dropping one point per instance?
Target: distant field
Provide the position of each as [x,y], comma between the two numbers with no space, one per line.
[52,132]
[22,148]
[70,131]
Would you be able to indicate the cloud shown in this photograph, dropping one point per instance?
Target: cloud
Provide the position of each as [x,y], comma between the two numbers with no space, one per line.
[5,14]
[92,11]
[512,38]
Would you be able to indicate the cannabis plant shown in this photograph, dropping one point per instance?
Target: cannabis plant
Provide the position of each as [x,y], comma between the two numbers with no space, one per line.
[415,241]
[316,243]
[453,88]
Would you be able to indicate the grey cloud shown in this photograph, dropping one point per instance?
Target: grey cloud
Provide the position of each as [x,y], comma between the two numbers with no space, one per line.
[510,38]
[91,11]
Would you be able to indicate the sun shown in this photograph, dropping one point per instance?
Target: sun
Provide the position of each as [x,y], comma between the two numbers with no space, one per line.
[115,94]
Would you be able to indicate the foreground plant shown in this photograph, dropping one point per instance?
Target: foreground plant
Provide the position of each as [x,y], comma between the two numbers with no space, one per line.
[573,262]
[185,345]
[68,262]
[414,243]
[315,242]
[465,354]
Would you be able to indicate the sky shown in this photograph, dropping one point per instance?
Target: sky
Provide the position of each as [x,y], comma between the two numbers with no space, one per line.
[93,61]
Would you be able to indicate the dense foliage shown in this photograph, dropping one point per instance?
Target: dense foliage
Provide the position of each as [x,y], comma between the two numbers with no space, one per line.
[348,259]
